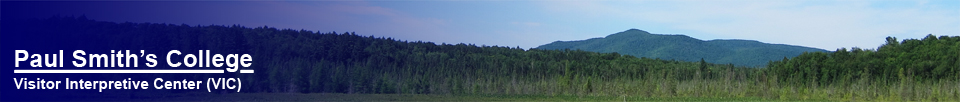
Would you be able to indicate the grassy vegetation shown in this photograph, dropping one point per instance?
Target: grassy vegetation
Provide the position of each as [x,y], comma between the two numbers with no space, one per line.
[430,97]
[696,90]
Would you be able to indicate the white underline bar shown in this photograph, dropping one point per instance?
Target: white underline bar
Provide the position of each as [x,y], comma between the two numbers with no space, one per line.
[246,71]
[117,71]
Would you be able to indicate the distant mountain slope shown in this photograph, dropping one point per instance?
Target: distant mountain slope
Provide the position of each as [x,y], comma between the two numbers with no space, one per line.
[640,43]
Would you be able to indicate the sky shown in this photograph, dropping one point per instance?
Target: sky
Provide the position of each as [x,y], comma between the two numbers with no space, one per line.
[527,24]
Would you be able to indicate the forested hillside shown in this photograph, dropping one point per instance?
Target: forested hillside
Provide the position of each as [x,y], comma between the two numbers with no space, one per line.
[923,60]
[681,47]
[301,61]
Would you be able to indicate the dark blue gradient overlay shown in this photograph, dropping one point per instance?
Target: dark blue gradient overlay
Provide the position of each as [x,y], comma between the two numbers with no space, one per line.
[19,32]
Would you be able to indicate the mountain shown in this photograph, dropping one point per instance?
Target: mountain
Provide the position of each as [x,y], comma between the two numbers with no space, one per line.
[640,43]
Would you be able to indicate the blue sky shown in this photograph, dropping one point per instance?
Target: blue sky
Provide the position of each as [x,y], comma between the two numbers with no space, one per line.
[527,24]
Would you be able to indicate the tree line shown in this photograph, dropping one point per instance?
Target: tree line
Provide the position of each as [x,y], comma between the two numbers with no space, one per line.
[929,59]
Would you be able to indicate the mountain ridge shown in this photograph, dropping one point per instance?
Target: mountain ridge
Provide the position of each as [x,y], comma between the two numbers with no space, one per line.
[641,43]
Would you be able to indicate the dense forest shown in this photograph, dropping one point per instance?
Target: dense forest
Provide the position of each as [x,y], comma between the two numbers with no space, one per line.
[681,47]
[929,59]
[904,66]
[302,61]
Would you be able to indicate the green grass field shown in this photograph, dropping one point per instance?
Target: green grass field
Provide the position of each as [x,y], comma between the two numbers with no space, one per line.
[429,97]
